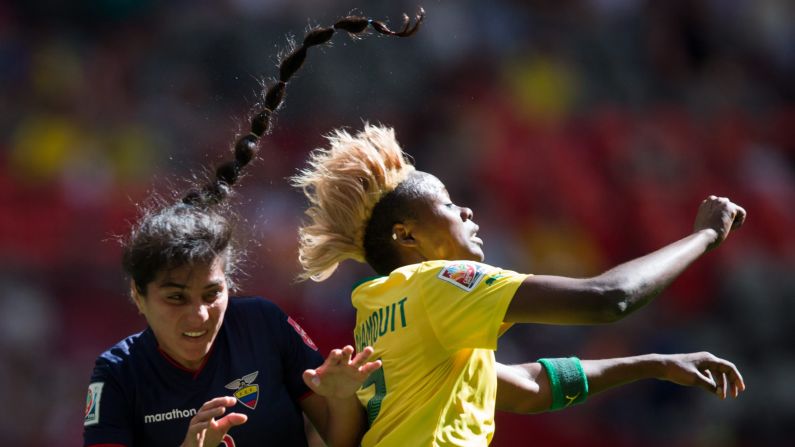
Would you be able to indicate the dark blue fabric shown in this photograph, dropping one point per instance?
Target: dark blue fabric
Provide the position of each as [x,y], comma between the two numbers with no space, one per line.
[138,381]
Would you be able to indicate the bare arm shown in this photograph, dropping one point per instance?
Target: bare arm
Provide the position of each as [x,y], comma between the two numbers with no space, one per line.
[334,409]
[526,388]
[340,422]
[623,289]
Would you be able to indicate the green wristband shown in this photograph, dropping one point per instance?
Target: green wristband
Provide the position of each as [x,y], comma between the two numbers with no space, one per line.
[569,384]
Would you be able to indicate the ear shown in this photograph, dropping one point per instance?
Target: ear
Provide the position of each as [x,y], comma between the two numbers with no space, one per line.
[136,297]
[401,234]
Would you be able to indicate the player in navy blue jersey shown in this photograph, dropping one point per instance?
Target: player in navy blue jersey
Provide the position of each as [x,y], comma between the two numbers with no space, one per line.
[141,395]
[212,370]
[204,354]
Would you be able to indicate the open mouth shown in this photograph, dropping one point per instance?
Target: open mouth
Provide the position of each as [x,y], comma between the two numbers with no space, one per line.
[197,334]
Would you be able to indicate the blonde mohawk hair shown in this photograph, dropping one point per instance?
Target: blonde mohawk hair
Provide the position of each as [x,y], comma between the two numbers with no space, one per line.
[343,184]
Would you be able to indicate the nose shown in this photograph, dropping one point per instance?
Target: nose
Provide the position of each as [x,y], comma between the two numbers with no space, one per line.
[199,313]
[466,214]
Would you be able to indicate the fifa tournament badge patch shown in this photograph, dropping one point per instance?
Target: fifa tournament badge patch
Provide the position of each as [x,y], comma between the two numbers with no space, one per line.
[308,341]
[92,403]
[245,390]
[464,275]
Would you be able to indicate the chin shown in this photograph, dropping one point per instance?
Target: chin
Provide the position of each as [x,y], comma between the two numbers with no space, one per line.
[196,354]
[475,255]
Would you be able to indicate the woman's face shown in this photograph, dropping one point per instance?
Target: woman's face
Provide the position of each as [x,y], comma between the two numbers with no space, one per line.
[442,229]
[185,308]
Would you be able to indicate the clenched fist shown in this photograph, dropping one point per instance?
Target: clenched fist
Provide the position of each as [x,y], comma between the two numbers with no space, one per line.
[720,215]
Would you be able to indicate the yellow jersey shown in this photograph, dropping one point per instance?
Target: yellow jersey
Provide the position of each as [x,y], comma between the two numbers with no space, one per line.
[434,325]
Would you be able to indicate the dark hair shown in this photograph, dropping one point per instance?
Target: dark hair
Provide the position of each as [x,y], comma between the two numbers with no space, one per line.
[177,235]
[395,207]
[196,230]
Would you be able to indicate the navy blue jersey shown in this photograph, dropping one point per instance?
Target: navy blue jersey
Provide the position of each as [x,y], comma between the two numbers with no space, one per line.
[139,397]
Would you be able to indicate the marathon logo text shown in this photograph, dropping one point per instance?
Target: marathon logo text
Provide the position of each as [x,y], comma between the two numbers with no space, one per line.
[169,415]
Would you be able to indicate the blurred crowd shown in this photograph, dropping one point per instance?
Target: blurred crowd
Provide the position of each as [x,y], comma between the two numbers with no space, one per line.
[582,133]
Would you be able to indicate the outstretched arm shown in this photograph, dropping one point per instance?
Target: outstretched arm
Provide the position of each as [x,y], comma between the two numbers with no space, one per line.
[621,290]
[526,388]
[334,409]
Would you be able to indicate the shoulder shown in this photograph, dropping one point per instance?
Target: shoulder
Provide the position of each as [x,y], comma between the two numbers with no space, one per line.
[419,270]
[250,306]
[441,265]
[460,271]
[452,267]
[464,274]
[124,351]
[120,363]
[259,314]
[253,314]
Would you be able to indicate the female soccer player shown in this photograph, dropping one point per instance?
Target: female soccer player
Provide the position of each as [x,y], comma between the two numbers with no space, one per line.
[435,313]
[204,354]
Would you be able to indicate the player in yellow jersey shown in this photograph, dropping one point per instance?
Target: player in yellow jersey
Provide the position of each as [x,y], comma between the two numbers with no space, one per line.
[435,314]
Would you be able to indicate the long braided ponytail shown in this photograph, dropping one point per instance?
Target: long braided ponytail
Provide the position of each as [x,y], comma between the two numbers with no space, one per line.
[247,146]
[195,230]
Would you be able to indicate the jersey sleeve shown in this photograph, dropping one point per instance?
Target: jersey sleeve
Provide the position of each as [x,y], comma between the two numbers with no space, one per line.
[466,302]
[108,412]
[299,353]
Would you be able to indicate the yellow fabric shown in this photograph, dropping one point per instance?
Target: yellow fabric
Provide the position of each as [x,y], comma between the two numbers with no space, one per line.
[435,326]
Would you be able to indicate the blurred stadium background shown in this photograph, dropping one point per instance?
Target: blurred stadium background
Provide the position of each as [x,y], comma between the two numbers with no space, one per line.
[582,133]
